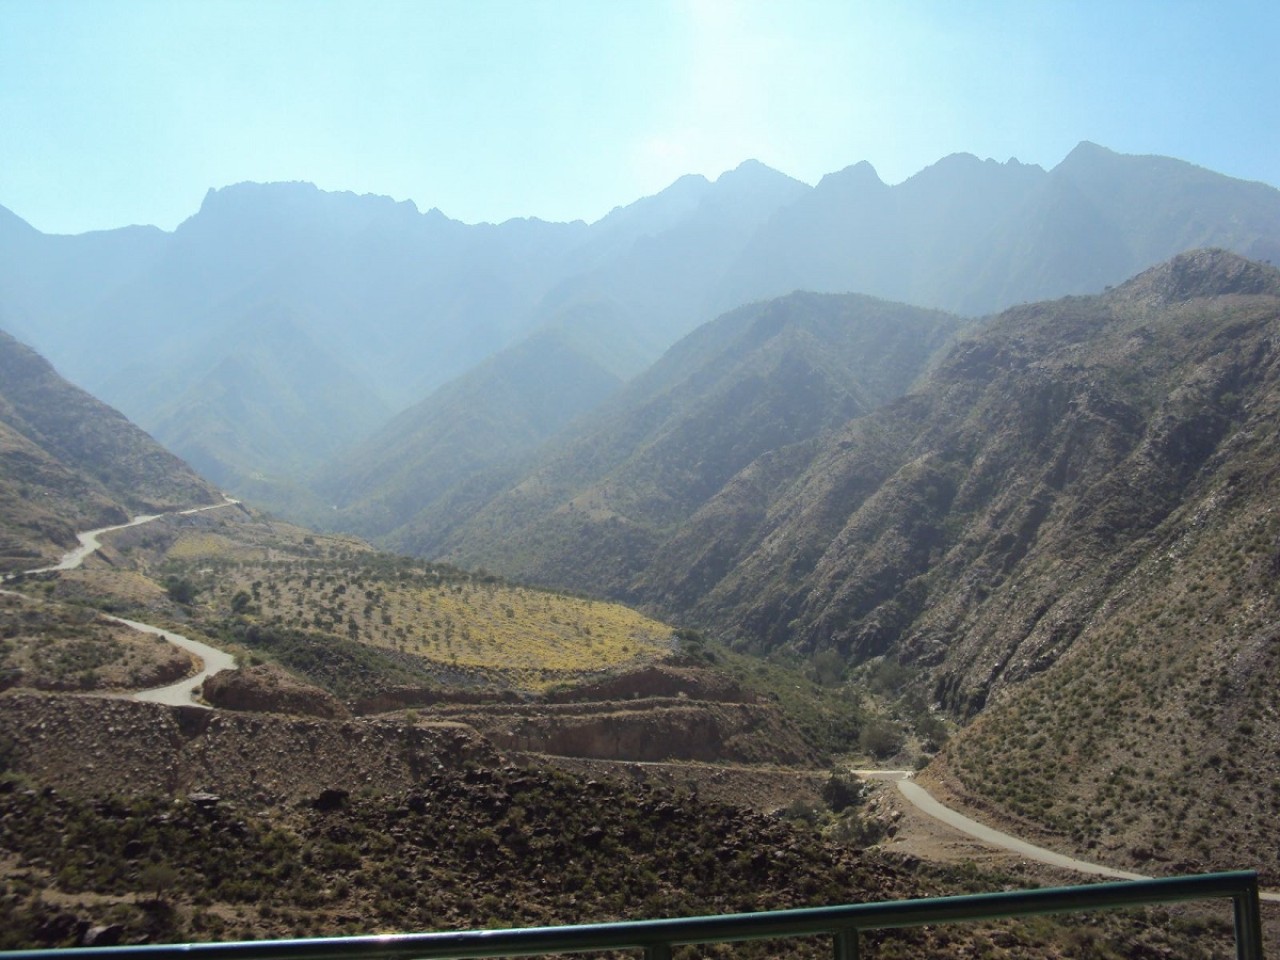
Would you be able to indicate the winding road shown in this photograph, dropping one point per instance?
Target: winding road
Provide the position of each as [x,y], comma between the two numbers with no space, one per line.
[212,659]
[926,803]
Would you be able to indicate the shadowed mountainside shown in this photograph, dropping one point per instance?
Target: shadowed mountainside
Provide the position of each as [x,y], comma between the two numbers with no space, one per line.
[72,463]
[599,503]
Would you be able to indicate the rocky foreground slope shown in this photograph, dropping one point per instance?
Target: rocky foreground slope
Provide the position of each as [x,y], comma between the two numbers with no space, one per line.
[1070,525]
[136,823]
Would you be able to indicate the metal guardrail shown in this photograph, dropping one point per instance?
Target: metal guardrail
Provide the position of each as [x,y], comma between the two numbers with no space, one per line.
[657,937]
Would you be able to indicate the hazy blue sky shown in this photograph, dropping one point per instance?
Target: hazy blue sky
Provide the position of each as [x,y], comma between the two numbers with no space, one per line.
[125,111]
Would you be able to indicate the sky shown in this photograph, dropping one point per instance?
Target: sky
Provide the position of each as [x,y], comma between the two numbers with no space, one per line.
[117,112]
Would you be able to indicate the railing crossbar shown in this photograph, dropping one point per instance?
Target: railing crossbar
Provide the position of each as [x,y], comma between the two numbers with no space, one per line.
[657,937]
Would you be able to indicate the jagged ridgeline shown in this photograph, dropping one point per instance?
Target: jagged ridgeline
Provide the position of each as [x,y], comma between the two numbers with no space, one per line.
[307,349]
[69,462]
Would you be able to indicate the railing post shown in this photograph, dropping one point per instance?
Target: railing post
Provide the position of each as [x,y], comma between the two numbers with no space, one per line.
[846,944]
[657,951]
[1248,925]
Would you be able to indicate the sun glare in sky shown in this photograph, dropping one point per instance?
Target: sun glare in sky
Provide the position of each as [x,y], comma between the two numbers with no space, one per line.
[127,111]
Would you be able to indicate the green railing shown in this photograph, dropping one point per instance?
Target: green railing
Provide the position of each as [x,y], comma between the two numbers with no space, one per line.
[657,937]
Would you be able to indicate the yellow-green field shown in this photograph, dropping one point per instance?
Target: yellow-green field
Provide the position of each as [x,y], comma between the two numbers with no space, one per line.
[465,624]
[523,638]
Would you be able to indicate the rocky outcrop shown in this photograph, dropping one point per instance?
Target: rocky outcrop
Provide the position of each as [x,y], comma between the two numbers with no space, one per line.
[266,688]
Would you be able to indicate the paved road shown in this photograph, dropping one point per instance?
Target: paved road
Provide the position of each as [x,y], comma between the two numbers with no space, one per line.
[924,801]
[213,660]
[182,693]
[89,540]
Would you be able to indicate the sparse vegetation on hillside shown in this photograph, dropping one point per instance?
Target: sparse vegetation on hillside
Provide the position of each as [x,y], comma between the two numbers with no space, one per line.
[432,619]
[51,646]
[352,620]
[69,462]
[600,503]
[1153,741]
[478,848]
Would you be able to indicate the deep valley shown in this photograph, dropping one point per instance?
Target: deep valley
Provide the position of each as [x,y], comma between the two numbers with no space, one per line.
[569,573]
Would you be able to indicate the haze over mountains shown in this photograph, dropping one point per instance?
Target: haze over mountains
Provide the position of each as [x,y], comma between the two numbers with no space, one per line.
[1057,520]
[1075,498]
[280,326]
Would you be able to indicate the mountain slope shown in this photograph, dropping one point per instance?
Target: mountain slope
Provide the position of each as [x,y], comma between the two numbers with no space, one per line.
[975,525]
[666,278]
[500,411]
[972,527]
[1068,532]
[598,504]
[71,463]
[262,401]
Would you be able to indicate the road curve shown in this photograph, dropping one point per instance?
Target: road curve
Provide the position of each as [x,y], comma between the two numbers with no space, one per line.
[182,693]
[89,540]
[213,660]
[925,802]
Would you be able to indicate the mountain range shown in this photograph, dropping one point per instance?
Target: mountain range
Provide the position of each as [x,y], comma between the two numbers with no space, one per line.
[273,336]
[1055,519]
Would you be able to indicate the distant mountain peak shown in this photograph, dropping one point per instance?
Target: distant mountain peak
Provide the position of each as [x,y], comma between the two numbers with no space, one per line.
[280,196]
[1087,154]
[752,170]
[232,192]
[752,177]
[956,170]
[10,221]
[862,175]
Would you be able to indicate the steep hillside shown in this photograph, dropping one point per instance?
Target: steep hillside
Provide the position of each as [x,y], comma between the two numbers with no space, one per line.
[1071,525]
[503,409]
[71,463]
[264,402]
[608,495]
[977,524]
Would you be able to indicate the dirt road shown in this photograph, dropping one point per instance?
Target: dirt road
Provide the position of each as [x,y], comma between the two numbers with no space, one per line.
[213,660]
[926,803]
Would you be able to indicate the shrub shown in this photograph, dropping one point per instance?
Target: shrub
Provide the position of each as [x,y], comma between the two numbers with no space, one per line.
[880,738]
